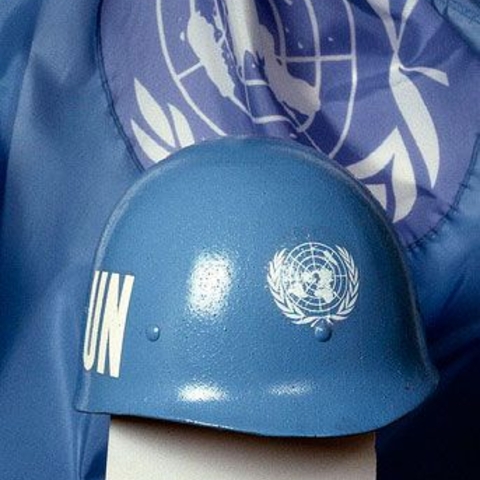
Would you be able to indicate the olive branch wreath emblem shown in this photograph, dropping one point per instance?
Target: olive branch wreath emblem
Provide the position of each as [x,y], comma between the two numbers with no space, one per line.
[168,128]
[293,311]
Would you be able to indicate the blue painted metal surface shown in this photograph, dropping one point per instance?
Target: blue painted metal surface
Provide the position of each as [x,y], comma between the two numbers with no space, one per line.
[266,294]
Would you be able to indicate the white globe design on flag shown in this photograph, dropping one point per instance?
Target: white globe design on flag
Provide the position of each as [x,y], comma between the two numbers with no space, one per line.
[254,72]
[279,69]
[314,283]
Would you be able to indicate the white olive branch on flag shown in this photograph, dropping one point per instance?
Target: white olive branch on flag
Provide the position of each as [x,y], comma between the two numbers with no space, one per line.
[416,116]
[168,132]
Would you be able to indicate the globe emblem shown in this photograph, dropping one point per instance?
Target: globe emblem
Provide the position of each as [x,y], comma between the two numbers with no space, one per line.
[315,278]
[287,68]
[261,63]
[314,284]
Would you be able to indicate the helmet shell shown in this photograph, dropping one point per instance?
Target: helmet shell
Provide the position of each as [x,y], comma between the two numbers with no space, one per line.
[253,285]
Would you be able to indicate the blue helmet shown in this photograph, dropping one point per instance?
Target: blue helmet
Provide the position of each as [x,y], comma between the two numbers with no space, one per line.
[253,285]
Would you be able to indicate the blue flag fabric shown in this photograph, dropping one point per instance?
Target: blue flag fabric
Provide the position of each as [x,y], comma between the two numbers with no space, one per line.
[93,93]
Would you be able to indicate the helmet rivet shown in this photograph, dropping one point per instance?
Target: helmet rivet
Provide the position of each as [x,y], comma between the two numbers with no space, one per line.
[323,331]
[153,332]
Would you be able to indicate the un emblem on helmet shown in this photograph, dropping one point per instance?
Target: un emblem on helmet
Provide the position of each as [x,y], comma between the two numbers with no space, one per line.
[313,284]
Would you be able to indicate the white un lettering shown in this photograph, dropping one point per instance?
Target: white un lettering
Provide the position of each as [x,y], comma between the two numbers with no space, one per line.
[107,315]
